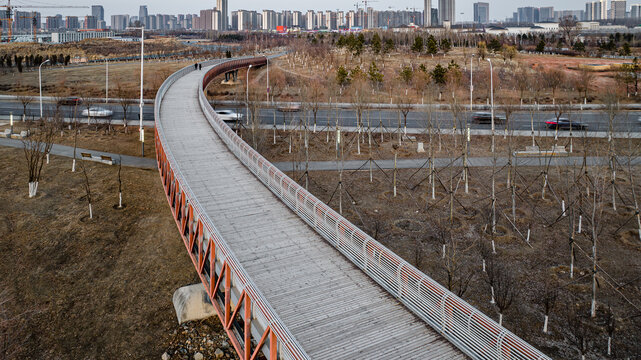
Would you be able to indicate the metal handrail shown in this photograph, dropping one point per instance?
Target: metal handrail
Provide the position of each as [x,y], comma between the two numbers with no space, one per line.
[288,345]
[471,331]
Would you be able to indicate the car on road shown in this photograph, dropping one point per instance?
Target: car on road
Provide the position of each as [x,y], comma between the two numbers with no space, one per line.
[229,116]
[289,108]
[70,101]
[486,118]
[97,112]
[565,124]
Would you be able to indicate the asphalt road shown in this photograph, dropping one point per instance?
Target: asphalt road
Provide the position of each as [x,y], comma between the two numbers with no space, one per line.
[594,119]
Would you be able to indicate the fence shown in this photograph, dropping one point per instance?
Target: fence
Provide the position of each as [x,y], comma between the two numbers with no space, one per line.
[466,327]
[251,323]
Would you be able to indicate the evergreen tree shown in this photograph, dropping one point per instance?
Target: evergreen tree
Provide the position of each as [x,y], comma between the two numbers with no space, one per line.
[342,77]
[375,75]
[439,74]
[541,46]
[376,44]
[389,46]
[417,47]
[432,47]
[406,74]
[445,45]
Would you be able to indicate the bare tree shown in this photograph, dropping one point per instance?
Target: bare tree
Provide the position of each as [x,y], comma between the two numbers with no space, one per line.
[120,182]
[87,187]
[584,83]
[547,299]
[37,146]
[568,25]
[25,100]
[554,79]
[522,81]
[579,328]
[125,101]
[506,287]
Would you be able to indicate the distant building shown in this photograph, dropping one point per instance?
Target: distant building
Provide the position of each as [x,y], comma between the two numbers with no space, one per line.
[593,11]
[427,13]
[143,14]
[546,14]
[222,6]
[23,20]
[481,13]
[528,15]
[71,22]
[72,36]
[119,22]
[98,12]
[446,11]
[635,11]
[618,8]
[91,22]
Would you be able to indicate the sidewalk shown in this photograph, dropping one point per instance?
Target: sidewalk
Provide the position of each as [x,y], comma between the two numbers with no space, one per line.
[67,151]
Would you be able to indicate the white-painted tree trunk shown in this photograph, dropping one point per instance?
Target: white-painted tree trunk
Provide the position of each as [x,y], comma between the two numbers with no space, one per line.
[73,165]
[33,189]
[443,252]
[120,200]
[500,319]
[47,158]
[545,325]
[493,247]
[483,265]
[563,207]
[90,212]
[580,220]
[609,345]
[492,301]
[528,236]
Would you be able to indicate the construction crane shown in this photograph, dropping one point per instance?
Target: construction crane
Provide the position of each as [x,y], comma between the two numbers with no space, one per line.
[9,12]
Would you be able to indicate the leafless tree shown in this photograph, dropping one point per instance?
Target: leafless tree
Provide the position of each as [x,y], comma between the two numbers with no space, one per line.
[547,299]
[584,82]
[579,328]
[404,106]
[610,327]
[37,146]
[120,182]
[568,25]
[25,100]
[506,287]
[87,186]
[522,81]
[554,79]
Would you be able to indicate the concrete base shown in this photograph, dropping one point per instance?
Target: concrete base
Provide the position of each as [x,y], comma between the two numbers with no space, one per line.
[192,303]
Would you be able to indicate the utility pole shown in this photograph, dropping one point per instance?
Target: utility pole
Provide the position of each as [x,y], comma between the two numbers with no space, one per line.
[142,79]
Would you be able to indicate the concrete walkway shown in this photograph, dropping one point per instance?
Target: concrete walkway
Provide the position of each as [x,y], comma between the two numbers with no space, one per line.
[444,162]
[67,151]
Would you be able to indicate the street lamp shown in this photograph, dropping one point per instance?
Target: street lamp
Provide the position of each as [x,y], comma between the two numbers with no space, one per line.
[471,81]
[267,59]
[107,81]
[40,81]
[247,96]
[142,79]
[492,96]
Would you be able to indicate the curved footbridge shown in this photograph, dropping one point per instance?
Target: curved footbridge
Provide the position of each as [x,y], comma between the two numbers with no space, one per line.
[289,277]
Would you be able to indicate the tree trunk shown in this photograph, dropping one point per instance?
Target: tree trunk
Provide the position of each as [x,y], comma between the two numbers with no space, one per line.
[545,325]
[33,189]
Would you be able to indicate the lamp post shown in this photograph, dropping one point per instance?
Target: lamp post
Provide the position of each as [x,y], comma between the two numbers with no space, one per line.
[142,79]
[492,96]
[107,81]
[471,81]
[267,59]
[247,96]
[40,82]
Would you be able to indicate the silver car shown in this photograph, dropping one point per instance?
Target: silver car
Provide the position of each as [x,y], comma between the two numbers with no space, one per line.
[229,116]
[97,112]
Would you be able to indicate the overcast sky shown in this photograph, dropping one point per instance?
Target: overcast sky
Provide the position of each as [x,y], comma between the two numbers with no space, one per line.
[499,9]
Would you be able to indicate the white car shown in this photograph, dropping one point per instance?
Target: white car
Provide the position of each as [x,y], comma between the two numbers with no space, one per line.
[228,115]
[97,112]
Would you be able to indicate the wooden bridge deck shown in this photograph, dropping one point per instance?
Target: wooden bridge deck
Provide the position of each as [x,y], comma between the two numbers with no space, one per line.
[334,310]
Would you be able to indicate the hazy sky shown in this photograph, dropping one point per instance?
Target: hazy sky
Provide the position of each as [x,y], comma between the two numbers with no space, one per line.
[499,9]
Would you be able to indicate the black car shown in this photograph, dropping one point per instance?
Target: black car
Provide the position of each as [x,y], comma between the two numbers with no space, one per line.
[72,101]
[486,118]
[565,124]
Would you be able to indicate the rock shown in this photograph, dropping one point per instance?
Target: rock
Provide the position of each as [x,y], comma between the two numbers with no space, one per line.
[192,303]
[219,354]
[225,344]
[165,356]
[198,356]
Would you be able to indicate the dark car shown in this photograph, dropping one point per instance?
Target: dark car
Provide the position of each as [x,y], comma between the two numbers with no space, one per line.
[565,124]
[486,118]
[72,101]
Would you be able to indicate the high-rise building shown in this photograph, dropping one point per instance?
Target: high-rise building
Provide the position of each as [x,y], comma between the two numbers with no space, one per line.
[635,11]
[98,12]
[528,15]
[206,19]
[546,14]
[593,11]
[427,13]
[22,20]
[119,22]
[269,20]
[481,13]
[71,22]
[91,22]
[221,5]
[446,11]
[618,8]
[604,9]
[310,20]
[142,15]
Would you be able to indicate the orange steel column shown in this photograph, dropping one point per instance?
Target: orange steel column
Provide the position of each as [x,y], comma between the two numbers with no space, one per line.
[248,324]
[227,295]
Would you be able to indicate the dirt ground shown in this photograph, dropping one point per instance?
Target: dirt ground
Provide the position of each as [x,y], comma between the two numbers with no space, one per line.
[115,141]
[89,80]
[78,288]
[415,227]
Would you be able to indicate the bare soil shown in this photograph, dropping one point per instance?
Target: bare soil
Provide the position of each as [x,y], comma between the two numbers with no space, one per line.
[78,288]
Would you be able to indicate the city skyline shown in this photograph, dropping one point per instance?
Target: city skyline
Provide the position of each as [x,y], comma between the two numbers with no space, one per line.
[499,9]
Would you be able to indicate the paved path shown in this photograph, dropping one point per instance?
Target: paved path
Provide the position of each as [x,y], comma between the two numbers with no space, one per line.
[67,151]
[444,162]
[333,309]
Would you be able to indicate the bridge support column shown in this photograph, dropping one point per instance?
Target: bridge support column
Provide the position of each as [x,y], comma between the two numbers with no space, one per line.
[192,303]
